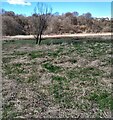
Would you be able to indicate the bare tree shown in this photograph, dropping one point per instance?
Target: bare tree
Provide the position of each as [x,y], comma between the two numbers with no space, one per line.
[42,13]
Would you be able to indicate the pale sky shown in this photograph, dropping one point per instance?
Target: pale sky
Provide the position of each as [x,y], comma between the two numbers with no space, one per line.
[26,7]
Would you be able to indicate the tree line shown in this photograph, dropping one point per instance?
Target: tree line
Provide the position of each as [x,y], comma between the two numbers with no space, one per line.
[70,22]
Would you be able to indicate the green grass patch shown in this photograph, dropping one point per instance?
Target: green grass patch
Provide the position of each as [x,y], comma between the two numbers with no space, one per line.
[92,49]
[13,71]
[85,74]
[55,53]
[52,68]
[61,92]
[36,54]
[103,99]
[58,78]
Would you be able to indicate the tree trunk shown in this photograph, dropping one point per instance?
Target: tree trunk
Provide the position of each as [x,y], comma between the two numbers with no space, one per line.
[40,38]
[37,39]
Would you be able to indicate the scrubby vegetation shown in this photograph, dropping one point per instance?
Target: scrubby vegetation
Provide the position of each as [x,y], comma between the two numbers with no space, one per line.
[71,23]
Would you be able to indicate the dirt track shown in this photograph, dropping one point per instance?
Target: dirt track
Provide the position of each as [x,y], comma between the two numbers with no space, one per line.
[58,36]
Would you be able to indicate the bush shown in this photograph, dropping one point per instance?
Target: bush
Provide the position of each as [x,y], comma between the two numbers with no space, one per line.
[11,27]
[106,29]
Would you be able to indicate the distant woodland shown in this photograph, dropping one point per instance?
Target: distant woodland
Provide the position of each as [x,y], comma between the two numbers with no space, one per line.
[14,24]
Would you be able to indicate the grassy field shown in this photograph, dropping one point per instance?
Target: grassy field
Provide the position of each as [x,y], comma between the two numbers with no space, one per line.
[61,78]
